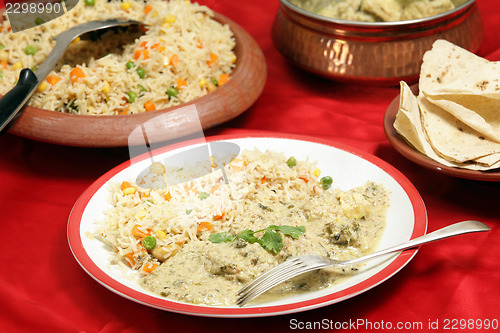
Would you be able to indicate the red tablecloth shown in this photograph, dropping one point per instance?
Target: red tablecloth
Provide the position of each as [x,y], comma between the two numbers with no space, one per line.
[43,289]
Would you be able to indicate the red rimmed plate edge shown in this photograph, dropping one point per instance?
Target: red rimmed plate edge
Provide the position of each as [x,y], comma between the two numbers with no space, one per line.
[399,143]
[81,256]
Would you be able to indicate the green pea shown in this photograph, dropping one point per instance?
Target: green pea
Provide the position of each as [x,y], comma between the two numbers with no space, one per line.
[188,211]
[326,182]
[131,96]
[203,195]
[149,242]
[141,88]
[141,72]
[172,92]
[30,50]
[39,21]
[130,64]
[215,82]
[291,162]
[2,46]
[89,2]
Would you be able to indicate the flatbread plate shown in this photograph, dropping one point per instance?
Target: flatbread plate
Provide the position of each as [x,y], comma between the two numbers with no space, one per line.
[401,145]
[348,167]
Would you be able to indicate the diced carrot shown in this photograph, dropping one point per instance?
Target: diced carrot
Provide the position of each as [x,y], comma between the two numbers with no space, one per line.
[158,47]
[199,44]
[125,185]
[214,188]
[219,217]
[137,231]
[237,164]
[145,194]
[130,257]
[263,180]
[76,74]
[174,60]
[181,83]
[167,196]
[124,110]
[148,8]
[4,64]
[139,52]
[304,179]
[143,44]
[53,79]
[223,78]
[149,106]
[213,59]
[204,226]
[148,268]
[190,187]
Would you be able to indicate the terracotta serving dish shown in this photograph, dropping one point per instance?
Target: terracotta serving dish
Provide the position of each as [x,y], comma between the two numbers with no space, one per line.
[405,149]
[381,52]
[226,102]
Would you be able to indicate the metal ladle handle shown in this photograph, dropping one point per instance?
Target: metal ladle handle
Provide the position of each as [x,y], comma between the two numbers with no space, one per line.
[13,101]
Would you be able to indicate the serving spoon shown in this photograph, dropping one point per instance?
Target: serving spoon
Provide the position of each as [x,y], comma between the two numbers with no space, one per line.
[13,101]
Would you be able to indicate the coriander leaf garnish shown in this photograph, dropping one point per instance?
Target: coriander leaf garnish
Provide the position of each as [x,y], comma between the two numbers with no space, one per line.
[248,236]
[288,230]
[271,239]
[221,237]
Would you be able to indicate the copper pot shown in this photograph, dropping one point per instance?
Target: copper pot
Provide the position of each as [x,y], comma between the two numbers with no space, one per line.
[362,52]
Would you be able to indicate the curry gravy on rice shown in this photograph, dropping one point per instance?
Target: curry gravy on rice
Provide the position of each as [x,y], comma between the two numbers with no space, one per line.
[265,189]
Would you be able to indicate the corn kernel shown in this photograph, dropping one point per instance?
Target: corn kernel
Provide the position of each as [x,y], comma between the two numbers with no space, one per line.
[166,25]
[141,214]
[43,86]
[4,55]
[233,58]
[106,88]
[17,65]
[76,40]
[210,86]
[161,234]
[155,14]
[169,18]
[125,5]
[316,172]
[202,83]
[157,168]
[129,190]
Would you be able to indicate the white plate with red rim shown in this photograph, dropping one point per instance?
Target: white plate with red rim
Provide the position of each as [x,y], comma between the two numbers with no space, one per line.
[349,167]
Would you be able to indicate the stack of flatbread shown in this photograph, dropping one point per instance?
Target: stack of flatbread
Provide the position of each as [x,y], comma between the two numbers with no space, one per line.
[455,119]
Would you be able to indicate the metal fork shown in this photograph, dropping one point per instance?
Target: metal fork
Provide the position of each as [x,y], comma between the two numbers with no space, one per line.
[14,100]
[306,263]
